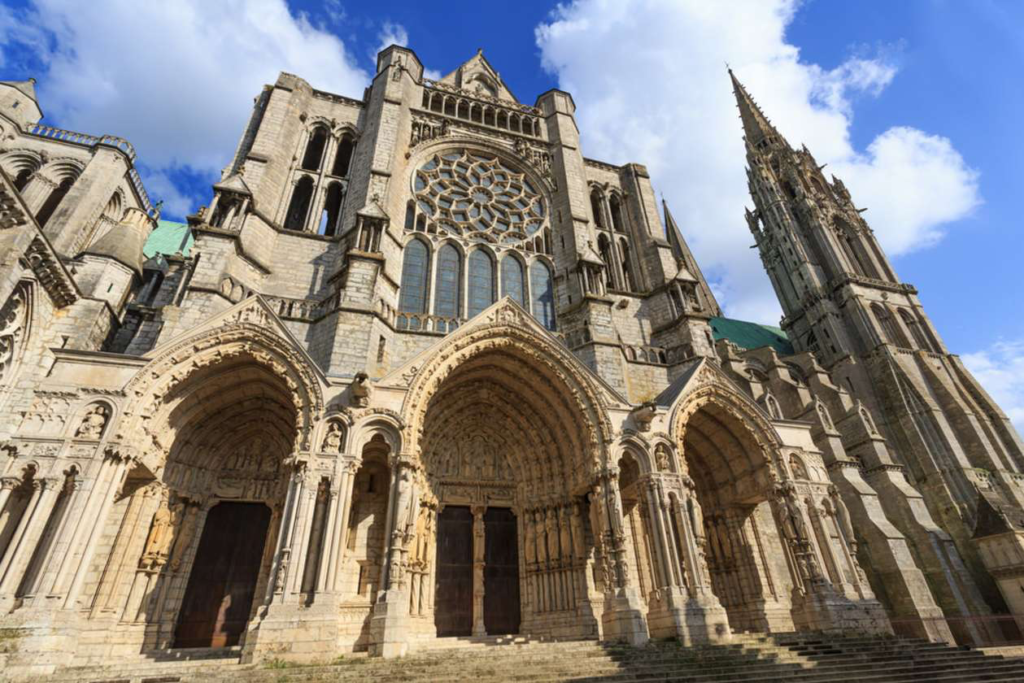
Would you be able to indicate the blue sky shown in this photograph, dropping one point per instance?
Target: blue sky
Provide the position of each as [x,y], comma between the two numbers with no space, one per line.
[914,104]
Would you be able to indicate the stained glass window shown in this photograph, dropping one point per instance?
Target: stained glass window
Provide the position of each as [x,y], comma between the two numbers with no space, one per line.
[512,279]
[413,297]
[481,282]
[476,195]
[542,293]
[447,289]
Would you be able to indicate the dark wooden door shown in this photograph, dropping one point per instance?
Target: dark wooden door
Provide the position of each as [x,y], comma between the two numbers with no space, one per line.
[501,572]
[453,597]
[222,582]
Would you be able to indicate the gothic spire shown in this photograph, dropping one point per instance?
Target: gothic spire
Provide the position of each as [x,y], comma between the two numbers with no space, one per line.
[756,125]
[684,257]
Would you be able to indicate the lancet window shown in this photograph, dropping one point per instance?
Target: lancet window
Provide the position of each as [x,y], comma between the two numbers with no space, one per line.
[481,282]
[415,270]
[319,183]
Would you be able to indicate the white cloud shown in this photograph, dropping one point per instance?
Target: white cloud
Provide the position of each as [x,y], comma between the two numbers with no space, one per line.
[390,34]
[650,84]
[176,79]
[1000,369]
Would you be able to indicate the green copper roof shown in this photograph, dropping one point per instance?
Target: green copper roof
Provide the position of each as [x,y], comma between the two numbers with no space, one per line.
[168,239]
[751,335]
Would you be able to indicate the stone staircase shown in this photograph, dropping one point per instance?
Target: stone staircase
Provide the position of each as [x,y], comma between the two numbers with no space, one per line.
[804,657]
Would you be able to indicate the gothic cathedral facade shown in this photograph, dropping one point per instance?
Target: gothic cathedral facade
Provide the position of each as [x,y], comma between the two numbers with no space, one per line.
[422,369]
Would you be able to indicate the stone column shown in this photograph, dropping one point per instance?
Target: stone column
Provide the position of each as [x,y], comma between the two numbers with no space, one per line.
[691,613]
[37,512]
[623,617]
[340,536]
[282,556]
[7,485]
[303,522]
[388,626]
[479,548]
[118,466]
[327,551]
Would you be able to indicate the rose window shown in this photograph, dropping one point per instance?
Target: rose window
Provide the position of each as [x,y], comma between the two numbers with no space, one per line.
[472,194]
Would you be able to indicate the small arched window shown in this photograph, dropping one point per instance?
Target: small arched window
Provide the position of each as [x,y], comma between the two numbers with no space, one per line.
[415,269]
[343,159]
[53,201]
[542,293]
[298,208]
[512,279]
[616,211]
[481,282]
[448,283]
[595,206]
[21,180]
[315,149]
[331,216]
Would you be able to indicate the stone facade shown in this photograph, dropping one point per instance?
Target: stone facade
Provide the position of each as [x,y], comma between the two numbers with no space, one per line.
[417,320]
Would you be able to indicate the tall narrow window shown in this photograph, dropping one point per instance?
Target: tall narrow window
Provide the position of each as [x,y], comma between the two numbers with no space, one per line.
[604,248]
[343,159]
[481,282]
[889,331]
[315,149]
[447,285]
[298,209]
[916,330]
[616,211]
[627,269]
[332,211]
[595,206]
[512,279]
[542,293]
[410,216]
[413,297]
[53,201]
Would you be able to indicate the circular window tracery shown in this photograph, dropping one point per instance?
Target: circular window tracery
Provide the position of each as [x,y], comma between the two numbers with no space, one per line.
[478,195]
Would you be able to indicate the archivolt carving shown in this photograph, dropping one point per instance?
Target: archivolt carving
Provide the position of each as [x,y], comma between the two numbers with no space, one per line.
[512,337]
[173,366]
[14,318]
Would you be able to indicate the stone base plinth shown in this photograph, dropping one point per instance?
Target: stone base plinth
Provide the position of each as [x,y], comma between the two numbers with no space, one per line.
[823,609]
[693,620]
[623,618]
[389,637]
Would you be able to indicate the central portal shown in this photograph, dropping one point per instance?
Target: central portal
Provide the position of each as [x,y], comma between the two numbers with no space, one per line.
[454,604]
[501,572]
[222,583]
[453,601]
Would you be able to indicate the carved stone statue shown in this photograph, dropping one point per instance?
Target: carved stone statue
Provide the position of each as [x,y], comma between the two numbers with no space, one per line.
[93,422]
[334,438]
[161,532]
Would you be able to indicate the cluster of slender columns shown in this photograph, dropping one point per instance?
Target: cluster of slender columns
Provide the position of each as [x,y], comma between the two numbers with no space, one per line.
[313,534]
[46,558]
[554,545]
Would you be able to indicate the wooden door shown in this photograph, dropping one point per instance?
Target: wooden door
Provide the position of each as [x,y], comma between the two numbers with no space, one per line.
[501,572]
[222,582]
[453,597]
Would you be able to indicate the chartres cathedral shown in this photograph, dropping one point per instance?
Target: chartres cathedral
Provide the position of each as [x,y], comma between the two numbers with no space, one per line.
[423,369]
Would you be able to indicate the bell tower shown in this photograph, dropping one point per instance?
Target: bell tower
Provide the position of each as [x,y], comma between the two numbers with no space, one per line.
[842,301]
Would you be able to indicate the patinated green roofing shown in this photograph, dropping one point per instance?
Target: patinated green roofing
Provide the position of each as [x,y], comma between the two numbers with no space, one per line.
[168,239]
[751,335]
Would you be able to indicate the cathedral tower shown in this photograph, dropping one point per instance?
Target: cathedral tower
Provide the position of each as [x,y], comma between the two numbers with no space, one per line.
[842,301]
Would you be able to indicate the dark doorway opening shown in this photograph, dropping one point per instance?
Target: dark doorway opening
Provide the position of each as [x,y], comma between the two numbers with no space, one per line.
[501,572]
[222,582]
[453,597]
